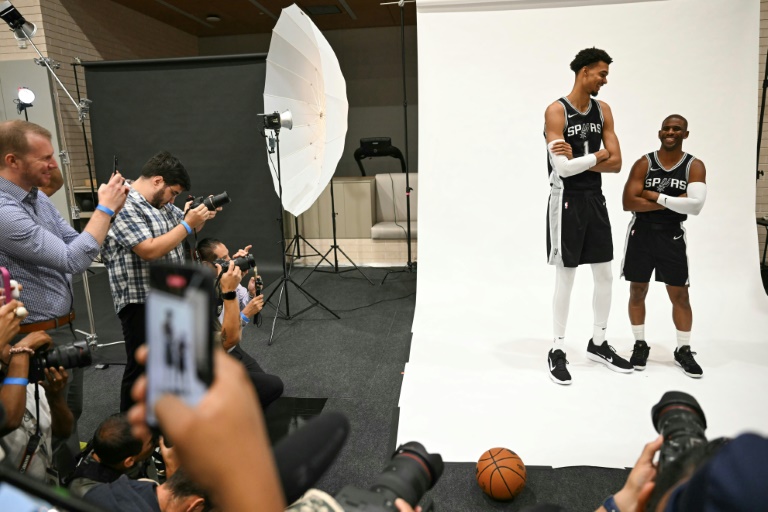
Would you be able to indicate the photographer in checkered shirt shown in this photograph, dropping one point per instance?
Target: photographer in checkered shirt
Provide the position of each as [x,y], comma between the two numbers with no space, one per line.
[149,228]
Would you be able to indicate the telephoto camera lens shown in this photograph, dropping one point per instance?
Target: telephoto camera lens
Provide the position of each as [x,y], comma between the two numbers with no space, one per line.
[679,418]
[411,473]
[72,355]
[245,263]
[217,201]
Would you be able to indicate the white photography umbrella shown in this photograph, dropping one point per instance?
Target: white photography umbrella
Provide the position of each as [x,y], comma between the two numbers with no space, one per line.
[303,76]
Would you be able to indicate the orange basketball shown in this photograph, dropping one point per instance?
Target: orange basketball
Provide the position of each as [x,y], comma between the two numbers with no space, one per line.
[500,474]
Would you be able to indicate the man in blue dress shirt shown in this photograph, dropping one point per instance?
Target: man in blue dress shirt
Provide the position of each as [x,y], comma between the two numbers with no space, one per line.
[39,247]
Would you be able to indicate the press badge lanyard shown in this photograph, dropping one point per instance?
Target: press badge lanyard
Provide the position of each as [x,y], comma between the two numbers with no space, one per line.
[34,440]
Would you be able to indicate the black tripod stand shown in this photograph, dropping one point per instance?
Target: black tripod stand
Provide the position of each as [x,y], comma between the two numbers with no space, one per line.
[286,277]
[410,265]
[335,248]
[295,245]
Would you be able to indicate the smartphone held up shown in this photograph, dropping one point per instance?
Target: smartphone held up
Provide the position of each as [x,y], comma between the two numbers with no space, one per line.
[179,336]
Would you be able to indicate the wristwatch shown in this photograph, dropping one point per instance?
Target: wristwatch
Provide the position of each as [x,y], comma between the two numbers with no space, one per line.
[229,295]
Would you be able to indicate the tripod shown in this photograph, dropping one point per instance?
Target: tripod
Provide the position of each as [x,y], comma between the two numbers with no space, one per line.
[335,248]
[410,266]
[286,277]
[295,244]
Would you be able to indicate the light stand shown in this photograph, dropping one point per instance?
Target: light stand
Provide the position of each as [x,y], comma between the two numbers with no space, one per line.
[24,100]
[410,266]
[335,247]
[296,245]
[274,122]
[23,32]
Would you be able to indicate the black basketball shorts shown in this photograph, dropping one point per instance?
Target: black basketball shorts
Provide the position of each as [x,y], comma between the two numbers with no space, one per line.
[578,228]
[658,247]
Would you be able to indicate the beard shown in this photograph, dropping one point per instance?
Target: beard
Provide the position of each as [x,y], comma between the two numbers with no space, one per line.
[157,199]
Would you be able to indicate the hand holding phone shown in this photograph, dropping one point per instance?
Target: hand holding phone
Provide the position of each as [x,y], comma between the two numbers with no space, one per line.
[179,333]
[11,291]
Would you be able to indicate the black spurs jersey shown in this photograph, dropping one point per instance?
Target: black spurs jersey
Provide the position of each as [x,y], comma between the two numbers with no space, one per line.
[584,132]
[672,182]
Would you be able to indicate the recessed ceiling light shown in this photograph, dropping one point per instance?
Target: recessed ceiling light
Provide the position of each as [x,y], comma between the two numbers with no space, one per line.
[213,18]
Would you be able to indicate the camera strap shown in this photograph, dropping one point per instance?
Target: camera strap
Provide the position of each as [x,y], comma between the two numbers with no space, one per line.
[34,440]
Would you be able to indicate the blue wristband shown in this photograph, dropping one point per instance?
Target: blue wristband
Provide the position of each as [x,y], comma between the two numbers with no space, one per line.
[610,504]
[186,226]
[245,318]
[16,380]
[105,210]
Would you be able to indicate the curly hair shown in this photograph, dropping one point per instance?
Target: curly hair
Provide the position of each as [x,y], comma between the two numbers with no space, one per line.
[589,56]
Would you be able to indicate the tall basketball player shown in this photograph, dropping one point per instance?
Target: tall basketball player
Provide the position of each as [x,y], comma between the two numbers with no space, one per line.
[581,146]
[663,188]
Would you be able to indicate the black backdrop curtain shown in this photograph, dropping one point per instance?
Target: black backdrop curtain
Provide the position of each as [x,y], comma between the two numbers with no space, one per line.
[203,110]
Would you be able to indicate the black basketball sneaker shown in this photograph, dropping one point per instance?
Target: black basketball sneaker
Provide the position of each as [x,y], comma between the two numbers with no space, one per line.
[684,359]
[639,355]
[556,362]
[607,355]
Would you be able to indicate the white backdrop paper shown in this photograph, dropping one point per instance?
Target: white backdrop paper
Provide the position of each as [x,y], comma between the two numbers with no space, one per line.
[485,79]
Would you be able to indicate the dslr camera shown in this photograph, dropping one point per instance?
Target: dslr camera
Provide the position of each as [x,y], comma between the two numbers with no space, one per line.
[411,472]
[72,355]
[245,263]
[679,418]
[211,202]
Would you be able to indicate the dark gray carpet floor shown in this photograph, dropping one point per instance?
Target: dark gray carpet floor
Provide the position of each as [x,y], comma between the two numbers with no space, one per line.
[356,363]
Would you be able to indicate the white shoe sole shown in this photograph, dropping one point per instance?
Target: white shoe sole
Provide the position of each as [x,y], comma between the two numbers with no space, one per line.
[691,375]
[608,365]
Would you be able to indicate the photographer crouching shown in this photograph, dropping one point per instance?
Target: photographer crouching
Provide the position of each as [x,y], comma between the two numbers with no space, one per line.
[236,305]
[33,418]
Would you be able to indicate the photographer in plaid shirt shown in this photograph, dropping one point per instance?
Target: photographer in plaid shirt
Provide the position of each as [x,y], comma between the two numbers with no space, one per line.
[148,228]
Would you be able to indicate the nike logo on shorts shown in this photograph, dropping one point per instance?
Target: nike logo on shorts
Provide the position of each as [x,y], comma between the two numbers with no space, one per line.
[677,237]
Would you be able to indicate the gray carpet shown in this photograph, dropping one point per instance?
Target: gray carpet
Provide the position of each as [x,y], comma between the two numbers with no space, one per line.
[355,363]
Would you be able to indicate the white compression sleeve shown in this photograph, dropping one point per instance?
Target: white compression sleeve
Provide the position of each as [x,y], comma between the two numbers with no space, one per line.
[691,205]
[601,297]
[565,167]
[562,299]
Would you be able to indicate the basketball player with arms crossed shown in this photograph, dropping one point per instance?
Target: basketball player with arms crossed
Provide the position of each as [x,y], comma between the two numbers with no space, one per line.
[663,188]
[578,228]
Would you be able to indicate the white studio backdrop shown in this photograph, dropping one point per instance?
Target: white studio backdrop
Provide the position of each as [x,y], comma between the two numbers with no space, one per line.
[487,71]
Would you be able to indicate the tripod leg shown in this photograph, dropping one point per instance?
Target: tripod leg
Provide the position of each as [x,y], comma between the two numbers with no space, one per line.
[318,264]
[322,257]
[354,265]
[277,312]
[310,296]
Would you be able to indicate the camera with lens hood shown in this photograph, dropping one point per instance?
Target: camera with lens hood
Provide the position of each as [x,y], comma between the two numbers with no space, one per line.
[211,202]
[245,263]
[72,355]
[679,418]
[411,473]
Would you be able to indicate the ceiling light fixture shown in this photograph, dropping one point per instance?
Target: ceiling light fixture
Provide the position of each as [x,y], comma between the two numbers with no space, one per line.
[213,18]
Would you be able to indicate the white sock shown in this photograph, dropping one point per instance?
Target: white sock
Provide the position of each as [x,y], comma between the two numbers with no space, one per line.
[598,334]
[558,343]
[683,338]
[639,332]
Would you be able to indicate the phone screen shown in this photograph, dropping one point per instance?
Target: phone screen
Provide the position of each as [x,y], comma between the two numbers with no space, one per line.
[178,325]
